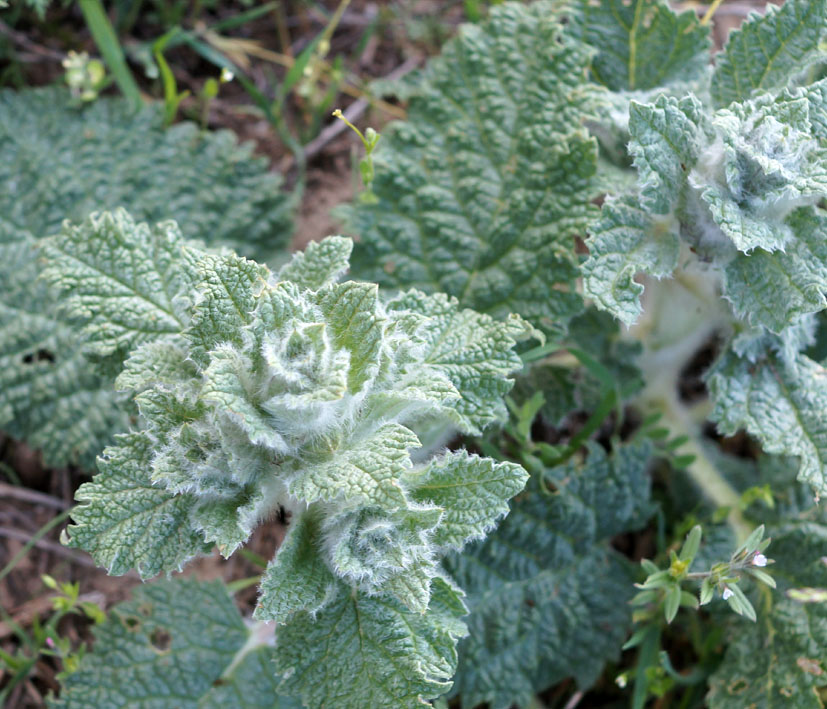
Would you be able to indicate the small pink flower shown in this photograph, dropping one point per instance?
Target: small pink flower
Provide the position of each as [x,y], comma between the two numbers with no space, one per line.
[727,593]
[759,560]
[50,643]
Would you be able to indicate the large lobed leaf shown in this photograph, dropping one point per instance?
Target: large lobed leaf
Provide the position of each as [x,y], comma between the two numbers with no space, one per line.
[63,162]
[481,192]
[546,592]
[178,643]
[50,394]
[59,162]
[766,51]
[779,400]
[641,45]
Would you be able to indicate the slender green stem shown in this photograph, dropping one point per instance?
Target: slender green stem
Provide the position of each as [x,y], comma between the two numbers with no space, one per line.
[42,532]
[710,13]
[110,48]
[702,470]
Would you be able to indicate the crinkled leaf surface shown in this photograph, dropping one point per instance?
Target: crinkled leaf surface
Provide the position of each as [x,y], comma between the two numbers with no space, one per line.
[125,522]
[642,44]
[63,162]
[473,350]
[772,161]
[272,396]
[123,278]
[779,661]
[473,491]
[625,241]
[368,471]
[547,594]
[482,190]
[59,162]
[666,138]
[320,264]
[776,288]
[370,651]
[779,400]
[767,51]
[177,643]
[739,186]
[297,579]
[50,394]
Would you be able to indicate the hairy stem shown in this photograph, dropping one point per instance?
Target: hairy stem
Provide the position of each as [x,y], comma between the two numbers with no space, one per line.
[702,470]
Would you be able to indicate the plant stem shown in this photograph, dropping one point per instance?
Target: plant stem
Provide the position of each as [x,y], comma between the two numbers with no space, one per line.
[42,532]
[110,48]
[670,344]
[703,471]
[710,13]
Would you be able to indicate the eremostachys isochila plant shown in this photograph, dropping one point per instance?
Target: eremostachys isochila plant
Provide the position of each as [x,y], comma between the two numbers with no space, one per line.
[713,174]
[259,392]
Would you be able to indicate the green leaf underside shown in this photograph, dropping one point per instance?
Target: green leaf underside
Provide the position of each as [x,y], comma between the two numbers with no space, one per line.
[781,403]
[176,643]
[643,44]
[481,192]
[779,661]
[59,162]
[767,51]
[371,651]
[546,592]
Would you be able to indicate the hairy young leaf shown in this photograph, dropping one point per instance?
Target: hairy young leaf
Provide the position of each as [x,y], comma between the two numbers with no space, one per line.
[779,400]
[177,643]
[481,192]
[61,162]
[767,51]
[125,522]
[546,592]
[779,661]
[372,651]
[641,45]
[277,396]
[473,491]
[667,136]
[772,163]
[473,350]
[625,241]
[297,579]
[738,186]
[321,263]
[776,288]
